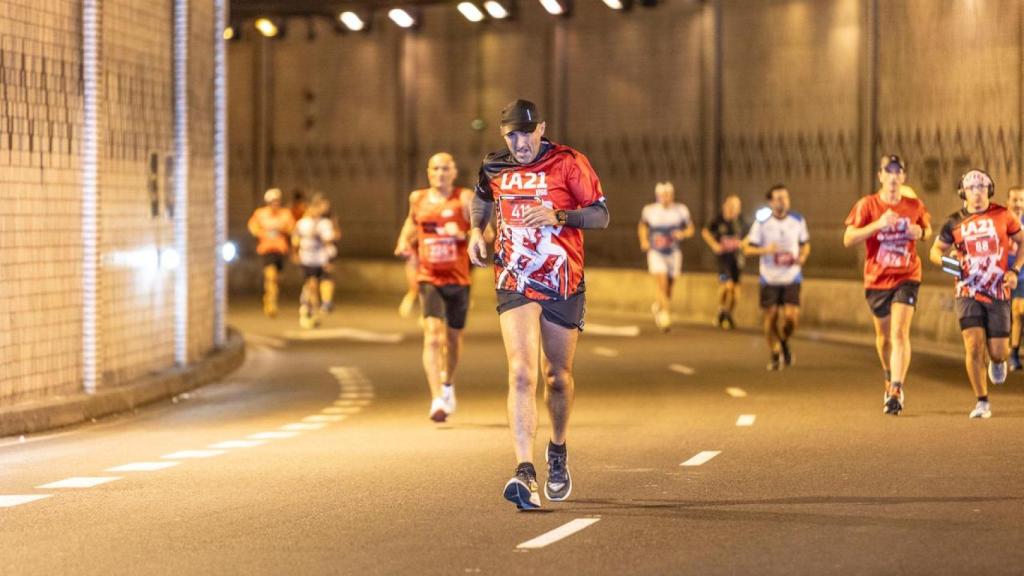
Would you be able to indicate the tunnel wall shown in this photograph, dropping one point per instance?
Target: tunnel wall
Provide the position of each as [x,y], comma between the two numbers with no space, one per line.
[722,97]
[41,194]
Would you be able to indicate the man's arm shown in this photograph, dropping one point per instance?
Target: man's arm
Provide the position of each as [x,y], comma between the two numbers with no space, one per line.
[480,215]
[641,233]
[805,251]
[408,232]
[855,235]
[709,239]
[939,249]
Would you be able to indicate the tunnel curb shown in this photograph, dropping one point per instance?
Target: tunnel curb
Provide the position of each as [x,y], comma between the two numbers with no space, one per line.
[65,411]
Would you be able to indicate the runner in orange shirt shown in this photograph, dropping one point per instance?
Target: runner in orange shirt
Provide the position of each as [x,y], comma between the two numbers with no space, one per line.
[272,225]
[982,234]
[438,224]
[889,224]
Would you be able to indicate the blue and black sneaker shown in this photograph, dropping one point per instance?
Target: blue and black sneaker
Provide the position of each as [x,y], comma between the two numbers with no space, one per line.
[559,484]
[521,490]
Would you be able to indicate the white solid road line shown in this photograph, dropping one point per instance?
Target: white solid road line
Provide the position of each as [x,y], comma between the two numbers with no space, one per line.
[272,435]
[605,330]
[143,467]
[606,352]
[736,392]
[11,500]
[682,369]
[303,426]
[746,420]
[79,482]
[259,339]
[344,334]
[701,458]
[184,454]
[557,534]
[228,444]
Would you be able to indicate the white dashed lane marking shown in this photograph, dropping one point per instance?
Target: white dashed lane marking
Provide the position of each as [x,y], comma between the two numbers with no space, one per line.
[229,444]
[341,410]
[12,500]
[345,334]
[186,454]
[736,392]
[605,330]
[746,420]
[323,418]
[682,369]
[305,426]
[557,534]
[78,482]
[606,352]
[272,435]
[143,467]
[701,458]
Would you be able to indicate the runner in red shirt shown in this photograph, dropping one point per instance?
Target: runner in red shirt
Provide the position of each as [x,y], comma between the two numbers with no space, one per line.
[547,194]
[982,234]
[438,224]
[889,224]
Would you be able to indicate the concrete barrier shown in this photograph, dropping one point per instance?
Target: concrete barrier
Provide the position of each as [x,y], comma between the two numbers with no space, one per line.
[831,308]
[34,417]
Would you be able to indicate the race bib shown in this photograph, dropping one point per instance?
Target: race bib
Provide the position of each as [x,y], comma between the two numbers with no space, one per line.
[783,259]
[513,208]
[729,243]
[439,252]
[662,241]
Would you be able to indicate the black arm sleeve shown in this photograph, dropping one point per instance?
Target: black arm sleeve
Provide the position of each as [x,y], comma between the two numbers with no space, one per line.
[590,217]
[480,212]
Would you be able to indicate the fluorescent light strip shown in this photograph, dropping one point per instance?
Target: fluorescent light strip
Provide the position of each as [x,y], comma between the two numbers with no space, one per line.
[401,18]
[352,21]
[220,177]
[266,27]
[613,4]
[90,194]
[470,11]
[181,181]
[495,9]
[554,7]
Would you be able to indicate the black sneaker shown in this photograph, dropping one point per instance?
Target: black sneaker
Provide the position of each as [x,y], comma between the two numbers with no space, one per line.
[894,405]
[521,490]
[775,363]
[728,323]
[559,484]
[1014,360]
[787,355]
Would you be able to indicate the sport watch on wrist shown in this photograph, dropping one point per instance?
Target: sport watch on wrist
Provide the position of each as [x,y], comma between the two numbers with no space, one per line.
[561,216]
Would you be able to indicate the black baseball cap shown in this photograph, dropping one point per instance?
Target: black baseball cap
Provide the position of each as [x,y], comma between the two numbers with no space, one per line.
[892,163]
[519,116]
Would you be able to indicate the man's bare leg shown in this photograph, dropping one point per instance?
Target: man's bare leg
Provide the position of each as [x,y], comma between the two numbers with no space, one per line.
[520,330]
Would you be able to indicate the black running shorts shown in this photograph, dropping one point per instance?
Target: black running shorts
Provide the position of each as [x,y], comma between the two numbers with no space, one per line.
[312,272]
[449,302]
[729,267]
[881,301]
[566,313]
[786,294]
[275,259]
[994,317]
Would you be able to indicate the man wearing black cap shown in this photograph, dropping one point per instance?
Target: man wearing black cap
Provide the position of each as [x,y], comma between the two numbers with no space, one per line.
[546,194]
[889,224]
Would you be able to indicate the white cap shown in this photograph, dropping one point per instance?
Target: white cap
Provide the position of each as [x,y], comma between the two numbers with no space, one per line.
[272,195]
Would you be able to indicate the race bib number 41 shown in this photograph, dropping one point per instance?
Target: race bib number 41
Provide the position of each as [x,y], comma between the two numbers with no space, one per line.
[514,207]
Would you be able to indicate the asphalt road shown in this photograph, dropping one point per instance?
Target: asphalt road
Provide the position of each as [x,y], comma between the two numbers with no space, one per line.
[361,482]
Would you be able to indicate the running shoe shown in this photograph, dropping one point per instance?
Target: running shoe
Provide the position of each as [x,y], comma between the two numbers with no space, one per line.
[522,489]
[448,398]
[894,405]
[775,363]
[437,410]
[408,301]
[728,323]
[559,484]
[1015,360]
[997,372]
[663,320]
[719,319]
[981,410]
[787,354]
[327,307]
[656,312]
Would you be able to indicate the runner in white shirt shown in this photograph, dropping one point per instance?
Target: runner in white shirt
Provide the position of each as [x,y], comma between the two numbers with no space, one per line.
[313,241]
[783,244]
[663,225]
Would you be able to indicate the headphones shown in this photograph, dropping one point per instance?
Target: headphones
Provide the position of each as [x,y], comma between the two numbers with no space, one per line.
[960,184]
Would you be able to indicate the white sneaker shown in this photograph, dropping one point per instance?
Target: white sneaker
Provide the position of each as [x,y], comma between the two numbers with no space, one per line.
[656,312]
[664,320]
[981,410]
[448,398]
[437,410]
[997,372]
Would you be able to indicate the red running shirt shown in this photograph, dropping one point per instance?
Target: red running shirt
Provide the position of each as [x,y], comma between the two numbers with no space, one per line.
[441,231]
[541,263]
[892,252]
[983,246]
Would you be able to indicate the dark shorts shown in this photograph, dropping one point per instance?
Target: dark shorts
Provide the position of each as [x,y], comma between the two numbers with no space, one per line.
[729,267]
[787,294]
[449,302]
[1018,292]
[994,317]
[312,272]
[274,259]
[880,301]
[567,313]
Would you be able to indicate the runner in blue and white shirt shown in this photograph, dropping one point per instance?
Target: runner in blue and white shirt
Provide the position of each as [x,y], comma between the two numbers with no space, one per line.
[1015,203]
[783,244]
[663,225]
